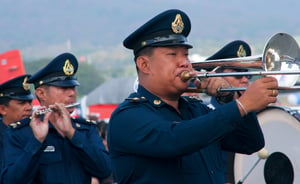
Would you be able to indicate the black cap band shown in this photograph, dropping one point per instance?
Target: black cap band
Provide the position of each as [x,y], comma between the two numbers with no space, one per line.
[167,40]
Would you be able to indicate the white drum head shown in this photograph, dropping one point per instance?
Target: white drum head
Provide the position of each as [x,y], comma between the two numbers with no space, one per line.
[282,134]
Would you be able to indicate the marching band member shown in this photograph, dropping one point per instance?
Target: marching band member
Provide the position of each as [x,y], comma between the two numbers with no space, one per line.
[158,136]
[54,148]
[234,49]
[15,103]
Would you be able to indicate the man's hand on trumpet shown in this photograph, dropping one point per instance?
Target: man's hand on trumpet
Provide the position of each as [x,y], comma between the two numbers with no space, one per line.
[212,85]
[259,94]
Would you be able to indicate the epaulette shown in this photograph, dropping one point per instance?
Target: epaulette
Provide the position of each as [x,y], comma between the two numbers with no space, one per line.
[84,121]
[20,124]
[136,99]
[193,98]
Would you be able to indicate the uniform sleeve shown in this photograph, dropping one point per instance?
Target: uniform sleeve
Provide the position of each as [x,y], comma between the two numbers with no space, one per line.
[139,130]
[247,138]
[89,148]
[19,158]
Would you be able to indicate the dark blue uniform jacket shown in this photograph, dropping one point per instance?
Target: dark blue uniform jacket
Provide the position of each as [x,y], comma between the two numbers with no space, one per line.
[57,160]
[151,143]
[2,131]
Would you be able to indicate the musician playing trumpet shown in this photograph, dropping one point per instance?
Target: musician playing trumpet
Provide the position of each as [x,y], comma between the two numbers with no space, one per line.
[53,147]
[158,136]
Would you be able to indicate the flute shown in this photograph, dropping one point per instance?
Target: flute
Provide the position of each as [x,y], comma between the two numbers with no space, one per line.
[44,111]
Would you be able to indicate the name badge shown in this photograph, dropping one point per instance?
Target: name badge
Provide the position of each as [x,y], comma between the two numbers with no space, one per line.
[49,149]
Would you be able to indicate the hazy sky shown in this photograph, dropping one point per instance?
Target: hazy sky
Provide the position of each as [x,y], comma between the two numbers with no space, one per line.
[34,23]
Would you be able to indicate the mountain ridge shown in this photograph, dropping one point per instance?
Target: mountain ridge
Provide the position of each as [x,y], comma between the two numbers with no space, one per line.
[44,28]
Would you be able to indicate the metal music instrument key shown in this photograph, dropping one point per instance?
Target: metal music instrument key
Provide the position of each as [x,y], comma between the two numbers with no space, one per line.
[44,111]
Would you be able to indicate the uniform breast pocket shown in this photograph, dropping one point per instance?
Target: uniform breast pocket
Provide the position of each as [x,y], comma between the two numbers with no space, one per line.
[51,167]
[50,157]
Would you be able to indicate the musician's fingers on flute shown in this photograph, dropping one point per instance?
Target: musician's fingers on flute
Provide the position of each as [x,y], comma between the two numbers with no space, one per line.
[59,108]
[42,110]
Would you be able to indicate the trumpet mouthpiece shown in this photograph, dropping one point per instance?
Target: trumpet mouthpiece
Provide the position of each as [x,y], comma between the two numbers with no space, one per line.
[185,76]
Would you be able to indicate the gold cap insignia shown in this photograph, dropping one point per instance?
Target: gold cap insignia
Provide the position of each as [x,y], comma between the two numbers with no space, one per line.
[26,86]
[177,24]
[68,68]
[241,52]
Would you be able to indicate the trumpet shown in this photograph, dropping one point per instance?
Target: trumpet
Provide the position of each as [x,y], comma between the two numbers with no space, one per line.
[280,57]
[280,48]
[44,111]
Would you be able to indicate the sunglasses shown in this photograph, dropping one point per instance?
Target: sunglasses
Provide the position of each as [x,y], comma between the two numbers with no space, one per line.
[241,76]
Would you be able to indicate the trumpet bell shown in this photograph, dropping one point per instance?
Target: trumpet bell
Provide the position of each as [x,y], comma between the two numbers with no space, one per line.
[280,54]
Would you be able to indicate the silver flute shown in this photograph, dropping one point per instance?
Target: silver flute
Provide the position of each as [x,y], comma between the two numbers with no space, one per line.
[44,111]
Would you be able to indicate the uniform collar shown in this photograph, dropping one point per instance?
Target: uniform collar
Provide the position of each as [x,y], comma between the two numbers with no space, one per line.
[154,100]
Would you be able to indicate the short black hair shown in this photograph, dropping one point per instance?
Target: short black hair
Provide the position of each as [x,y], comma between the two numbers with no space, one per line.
[4,101]
[102,128]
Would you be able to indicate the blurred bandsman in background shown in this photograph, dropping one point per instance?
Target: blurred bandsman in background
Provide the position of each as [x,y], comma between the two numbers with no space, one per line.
[15,100]
[15,103]
[234,49]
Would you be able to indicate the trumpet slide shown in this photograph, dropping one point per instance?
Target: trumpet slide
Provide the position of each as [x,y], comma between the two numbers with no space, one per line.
[44,111]
[281,48]
[280,59]
[185,76]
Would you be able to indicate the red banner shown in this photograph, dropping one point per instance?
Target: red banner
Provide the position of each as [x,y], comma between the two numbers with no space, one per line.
[11,65]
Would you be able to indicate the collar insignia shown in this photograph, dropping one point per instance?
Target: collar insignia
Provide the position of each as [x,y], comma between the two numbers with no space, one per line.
[68,68]
[177,24]
[241,51]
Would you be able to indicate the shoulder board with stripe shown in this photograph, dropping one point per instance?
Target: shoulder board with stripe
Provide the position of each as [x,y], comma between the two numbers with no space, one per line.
[84,121]
[20,124]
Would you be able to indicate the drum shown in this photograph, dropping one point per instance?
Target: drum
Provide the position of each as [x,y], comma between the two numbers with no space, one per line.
[281,128]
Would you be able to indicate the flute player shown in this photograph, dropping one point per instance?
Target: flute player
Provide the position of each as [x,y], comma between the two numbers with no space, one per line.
[57,149]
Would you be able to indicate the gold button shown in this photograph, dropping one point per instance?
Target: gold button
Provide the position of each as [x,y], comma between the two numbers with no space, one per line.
[143,43]
[156,102]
